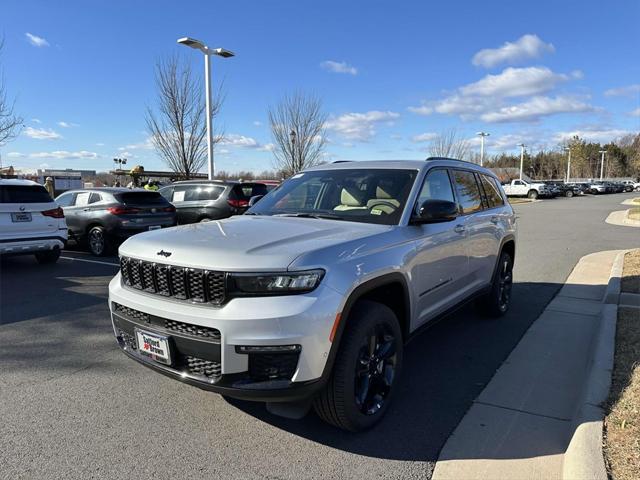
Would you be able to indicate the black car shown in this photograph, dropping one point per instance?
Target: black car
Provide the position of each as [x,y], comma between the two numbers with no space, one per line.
[104,217]
[204,200]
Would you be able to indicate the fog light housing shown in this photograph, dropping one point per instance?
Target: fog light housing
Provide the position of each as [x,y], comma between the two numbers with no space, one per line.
[268,348]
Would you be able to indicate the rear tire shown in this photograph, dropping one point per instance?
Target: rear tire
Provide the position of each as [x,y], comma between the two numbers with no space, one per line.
[204,220]
[533,194]
[50,256]
[569,193]
[496,303]
[368,363]
[98,242]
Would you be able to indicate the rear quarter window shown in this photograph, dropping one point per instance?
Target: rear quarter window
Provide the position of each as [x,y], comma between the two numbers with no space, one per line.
[24,194]
[247,190]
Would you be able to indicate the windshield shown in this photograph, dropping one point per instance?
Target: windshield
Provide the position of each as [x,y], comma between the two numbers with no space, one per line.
[356,195]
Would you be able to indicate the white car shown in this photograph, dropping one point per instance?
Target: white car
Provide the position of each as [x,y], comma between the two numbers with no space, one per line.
[30,221]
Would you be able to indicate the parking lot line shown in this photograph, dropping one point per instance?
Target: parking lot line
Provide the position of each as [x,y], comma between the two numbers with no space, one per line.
[90,261]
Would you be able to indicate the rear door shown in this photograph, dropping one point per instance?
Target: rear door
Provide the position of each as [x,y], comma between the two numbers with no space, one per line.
[476,222]
[21,208]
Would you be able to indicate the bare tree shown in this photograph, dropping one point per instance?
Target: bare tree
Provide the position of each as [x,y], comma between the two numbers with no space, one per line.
[451,145]
[178,131]
[10,123]
[298,131]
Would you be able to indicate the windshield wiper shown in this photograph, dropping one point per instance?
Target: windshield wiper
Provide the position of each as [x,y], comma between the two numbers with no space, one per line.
[324,216]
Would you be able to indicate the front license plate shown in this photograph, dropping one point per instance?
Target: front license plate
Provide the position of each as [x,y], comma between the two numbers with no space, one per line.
[154,346]
[154,227]
[21,217]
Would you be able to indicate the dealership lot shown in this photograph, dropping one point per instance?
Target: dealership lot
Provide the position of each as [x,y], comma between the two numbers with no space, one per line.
[71,404]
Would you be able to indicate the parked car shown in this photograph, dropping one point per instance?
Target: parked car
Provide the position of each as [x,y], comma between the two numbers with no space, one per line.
[581,188]
[205,200]
[629,185]
[522,188]
[562,189]
[102,217]
[309,297]
[30,221]
[597,188]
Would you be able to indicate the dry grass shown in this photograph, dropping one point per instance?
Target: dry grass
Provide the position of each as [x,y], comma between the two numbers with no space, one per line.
[631,272]
[622,423]
[634,213]
[636,200]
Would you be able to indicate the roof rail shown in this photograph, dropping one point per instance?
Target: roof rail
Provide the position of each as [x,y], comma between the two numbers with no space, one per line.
[428,159]
[342,161]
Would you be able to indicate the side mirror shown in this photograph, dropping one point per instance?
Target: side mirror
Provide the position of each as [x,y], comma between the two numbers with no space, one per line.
[436,211]
[255,199]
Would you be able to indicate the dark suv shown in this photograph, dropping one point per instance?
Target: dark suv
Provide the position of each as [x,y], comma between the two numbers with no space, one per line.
[204,200]
[103,217]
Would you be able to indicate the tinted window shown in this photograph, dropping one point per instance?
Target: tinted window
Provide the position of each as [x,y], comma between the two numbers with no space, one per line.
[436,187]
[140,198]
[494,198]
[95,198]
[66,199]
[206,192]
[24,194]
[469,196]
[191,193]
[247,190]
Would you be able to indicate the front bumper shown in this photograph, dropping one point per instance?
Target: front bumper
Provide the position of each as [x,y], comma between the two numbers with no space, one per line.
[214,363]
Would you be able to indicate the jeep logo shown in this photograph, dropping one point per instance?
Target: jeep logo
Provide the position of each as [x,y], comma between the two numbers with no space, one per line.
[163,253]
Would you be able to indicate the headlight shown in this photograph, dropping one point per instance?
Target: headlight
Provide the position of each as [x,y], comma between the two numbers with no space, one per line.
[274,283]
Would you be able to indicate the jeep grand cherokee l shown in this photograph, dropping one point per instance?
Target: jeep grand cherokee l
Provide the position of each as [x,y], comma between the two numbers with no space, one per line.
[309,297]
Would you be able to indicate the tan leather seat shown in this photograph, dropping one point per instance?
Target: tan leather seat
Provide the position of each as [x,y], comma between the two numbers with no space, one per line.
[350,199]
[383,201]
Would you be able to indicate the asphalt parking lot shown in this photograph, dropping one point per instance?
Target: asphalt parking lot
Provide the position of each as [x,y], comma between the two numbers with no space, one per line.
[72,405]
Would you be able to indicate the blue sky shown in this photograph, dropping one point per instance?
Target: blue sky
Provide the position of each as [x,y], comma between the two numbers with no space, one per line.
[391,74]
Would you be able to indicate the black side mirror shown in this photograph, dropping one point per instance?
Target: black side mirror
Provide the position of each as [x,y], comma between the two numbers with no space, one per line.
[435,211]
[255,199]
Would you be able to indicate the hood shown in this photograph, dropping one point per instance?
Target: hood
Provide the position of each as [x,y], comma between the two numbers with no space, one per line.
[244,243]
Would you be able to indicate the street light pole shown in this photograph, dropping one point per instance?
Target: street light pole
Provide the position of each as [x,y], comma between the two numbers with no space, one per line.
[482,135]
[522,145]
[221,52]
[602,163]
[568,149]
[294,164]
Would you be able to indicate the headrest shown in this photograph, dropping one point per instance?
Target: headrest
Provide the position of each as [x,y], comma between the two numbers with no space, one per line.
[382,194]
[351,197]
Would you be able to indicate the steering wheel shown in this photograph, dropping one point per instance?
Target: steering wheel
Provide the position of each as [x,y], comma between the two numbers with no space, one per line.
[385,203]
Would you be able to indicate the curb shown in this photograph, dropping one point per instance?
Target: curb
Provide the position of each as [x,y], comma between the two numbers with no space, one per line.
[584,458]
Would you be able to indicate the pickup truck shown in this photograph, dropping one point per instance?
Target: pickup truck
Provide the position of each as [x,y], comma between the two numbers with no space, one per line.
[522,188]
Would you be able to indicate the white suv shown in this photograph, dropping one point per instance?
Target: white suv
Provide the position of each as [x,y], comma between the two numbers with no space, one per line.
[30,221]
[310,296]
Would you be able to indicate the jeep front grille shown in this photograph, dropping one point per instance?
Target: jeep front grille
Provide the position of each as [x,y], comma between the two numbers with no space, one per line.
[182,283]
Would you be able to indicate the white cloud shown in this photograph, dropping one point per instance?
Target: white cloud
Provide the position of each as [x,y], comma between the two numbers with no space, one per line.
[236,140]
[100,144]
[536,108]
[421,110]
[526,47]
[602,135]
[424,137]
[515,82]
[626,91]
[36,120]
[36,41]
[257,123]
[635,113]
[57,155]
[67,124]
[147,144]
[338,67]
[360,126]
[41,133]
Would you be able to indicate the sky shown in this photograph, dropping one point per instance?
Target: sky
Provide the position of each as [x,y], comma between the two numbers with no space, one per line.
[391,75]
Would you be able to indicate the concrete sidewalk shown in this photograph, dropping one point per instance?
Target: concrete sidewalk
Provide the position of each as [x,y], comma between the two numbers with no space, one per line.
[521,424]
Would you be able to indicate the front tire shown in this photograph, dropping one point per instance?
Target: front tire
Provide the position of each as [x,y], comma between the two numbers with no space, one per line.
[98,241]
[569,193]
[365,370]
[50,256]
[533,194]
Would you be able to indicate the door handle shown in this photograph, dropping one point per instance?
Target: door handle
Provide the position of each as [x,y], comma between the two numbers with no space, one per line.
[495,219]
[459,229]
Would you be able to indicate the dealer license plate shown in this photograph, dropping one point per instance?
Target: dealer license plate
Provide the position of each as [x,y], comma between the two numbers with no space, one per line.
[154,346]
[21,217]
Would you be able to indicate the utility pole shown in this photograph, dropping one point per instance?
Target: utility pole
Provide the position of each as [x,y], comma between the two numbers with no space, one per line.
[602,163]
[522,145]
[482,135]
[568,149]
